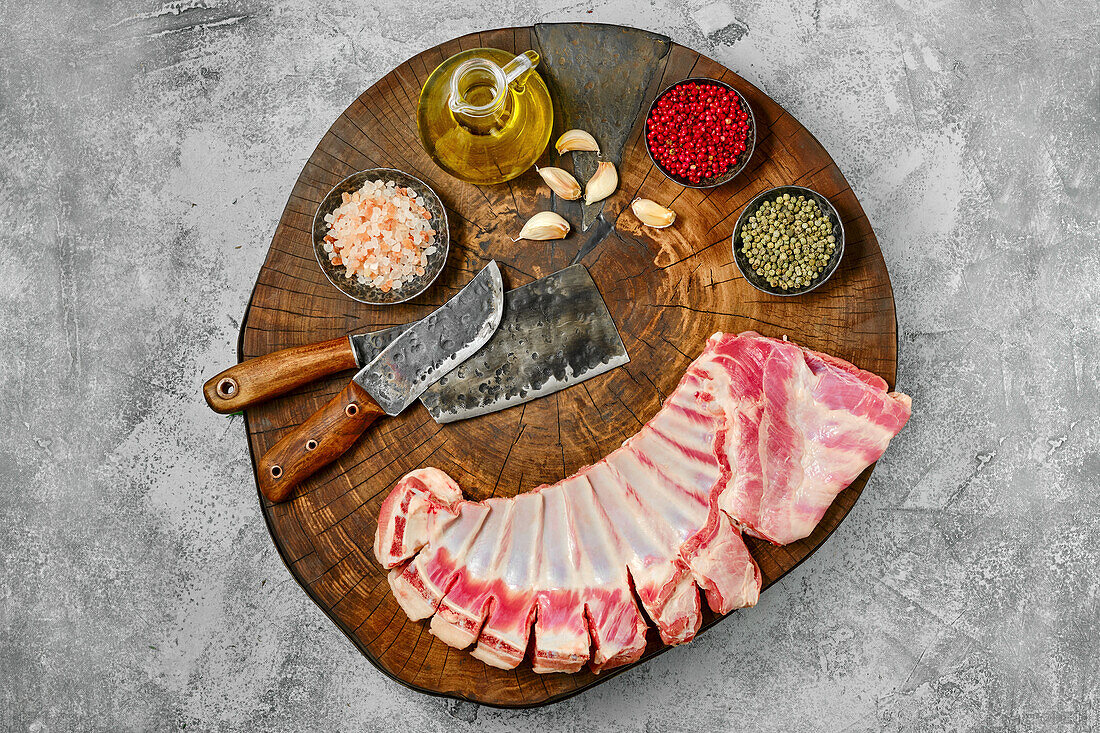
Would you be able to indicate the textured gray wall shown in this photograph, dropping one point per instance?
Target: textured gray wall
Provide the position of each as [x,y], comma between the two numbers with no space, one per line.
[147,152]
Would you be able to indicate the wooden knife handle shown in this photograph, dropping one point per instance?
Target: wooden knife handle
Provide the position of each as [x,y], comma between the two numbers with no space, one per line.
[317,442]
[276,373]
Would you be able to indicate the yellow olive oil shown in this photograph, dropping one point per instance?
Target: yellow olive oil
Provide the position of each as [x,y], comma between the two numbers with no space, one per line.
[478,125]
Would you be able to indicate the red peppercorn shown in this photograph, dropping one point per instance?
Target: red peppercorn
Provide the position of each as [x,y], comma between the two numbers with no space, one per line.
[697,131]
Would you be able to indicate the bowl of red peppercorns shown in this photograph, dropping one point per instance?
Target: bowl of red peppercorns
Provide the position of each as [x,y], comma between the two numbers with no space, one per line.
[700,132]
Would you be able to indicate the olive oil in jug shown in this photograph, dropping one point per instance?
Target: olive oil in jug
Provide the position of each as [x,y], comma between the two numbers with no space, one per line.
[485,115]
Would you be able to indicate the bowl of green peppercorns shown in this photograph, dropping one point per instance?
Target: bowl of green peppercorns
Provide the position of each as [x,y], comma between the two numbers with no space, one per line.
[788,241]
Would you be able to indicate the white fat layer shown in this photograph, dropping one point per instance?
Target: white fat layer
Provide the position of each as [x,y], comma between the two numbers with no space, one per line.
[597,539]
[415,606]
[646,537]
[559,548]
[678,508]
[449,633]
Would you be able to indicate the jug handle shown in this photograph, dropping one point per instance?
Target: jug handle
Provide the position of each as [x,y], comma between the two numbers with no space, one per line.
[520,65]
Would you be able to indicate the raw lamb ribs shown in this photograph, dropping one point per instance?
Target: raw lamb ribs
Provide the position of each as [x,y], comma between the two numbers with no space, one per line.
[759,436]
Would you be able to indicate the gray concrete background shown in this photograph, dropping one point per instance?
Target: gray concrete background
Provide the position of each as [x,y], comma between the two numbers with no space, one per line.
[147,151]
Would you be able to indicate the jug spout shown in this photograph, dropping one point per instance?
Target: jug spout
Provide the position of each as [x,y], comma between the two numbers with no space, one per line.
[479,86]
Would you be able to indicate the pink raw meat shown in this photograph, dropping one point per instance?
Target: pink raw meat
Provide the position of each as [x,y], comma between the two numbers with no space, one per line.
[760,435]
[805,426]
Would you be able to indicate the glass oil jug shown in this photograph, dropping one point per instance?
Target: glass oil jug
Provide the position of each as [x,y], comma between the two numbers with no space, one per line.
[485,115]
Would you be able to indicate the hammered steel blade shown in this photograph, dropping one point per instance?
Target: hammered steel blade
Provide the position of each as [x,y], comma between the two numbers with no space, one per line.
[366,346]
[555,332]
[436,344]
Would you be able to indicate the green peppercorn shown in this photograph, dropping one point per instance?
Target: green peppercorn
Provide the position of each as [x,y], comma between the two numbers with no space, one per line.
[788,241]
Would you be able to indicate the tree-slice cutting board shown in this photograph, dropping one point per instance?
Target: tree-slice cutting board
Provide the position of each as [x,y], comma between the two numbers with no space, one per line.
[668,290]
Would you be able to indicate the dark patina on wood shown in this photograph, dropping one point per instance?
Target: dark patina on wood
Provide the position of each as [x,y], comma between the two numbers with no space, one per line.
[668,290]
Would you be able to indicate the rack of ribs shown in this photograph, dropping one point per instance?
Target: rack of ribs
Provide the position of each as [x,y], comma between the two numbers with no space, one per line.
[759,437]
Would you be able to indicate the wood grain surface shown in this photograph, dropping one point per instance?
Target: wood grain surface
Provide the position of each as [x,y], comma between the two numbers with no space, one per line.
[668,290]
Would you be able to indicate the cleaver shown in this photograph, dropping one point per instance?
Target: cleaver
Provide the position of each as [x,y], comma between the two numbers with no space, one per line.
[553,332]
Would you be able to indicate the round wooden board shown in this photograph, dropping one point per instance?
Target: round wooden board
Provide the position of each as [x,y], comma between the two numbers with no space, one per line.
[668,290]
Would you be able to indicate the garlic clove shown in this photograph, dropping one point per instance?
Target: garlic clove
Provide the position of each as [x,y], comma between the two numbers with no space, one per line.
[576,140]
[544,225]
[602,183]
[652,214]
[560,182]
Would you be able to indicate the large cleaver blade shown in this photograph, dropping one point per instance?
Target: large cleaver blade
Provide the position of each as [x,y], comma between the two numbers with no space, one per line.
[555,332]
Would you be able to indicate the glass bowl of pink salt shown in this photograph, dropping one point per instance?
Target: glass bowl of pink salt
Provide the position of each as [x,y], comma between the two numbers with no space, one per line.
[381,236]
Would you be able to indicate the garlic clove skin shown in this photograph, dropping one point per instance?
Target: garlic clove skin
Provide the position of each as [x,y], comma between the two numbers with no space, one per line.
[652,214]
[571,140]
[542,226]
[602,183]
[560,182]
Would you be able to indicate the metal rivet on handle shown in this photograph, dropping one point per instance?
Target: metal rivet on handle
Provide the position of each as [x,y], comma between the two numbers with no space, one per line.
[351,410]
[227,387]
[276,471]
[311,444]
